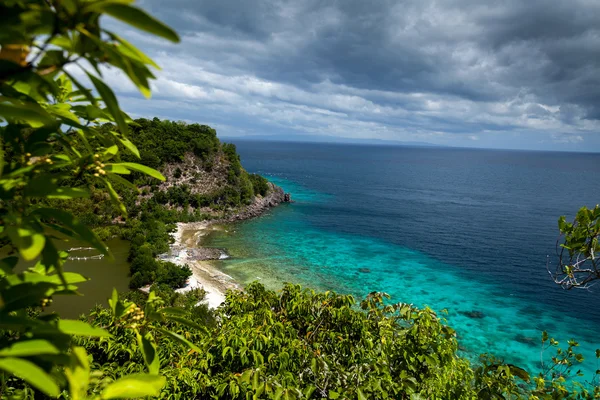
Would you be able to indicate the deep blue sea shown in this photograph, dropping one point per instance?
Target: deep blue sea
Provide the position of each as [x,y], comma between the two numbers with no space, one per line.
[459,229]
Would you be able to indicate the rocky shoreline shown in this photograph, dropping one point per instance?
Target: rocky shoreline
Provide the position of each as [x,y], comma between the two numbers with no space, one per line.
[187,248]
[275,197]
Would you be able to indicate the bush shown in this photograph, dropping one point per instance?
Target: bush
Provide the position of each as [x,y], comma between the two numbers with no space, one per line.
[173,275]
[259,183]
[246,189]
[140,279]
[301,344]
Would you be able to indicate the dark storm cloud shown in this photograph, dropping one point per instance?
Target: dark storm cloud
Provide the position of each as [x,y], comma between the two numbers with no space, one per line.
[549,48]
[455,66]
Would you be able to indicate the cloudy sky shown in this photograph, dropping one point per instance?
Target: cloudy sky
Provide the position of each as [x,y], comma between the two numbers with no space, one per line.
[506,73]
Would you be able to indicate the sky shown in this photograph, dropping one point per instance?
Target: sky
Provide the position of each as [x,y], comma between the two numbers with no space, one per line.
[500,74]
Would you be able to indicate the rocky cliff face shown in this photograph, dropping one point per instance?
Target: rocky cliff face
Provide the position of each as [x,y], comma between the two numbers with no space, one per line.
[203,177]
[261,204]
[209,176]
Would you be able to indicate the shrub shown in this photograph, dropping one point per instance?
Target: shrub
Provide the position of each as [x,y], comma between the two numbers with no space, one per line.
[173,275]
[259,183]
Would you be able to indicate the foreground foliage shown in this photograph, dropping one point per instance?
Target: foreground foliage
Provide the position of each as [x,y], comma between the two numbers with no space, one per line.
[52,150]
[301,344]
[579,250]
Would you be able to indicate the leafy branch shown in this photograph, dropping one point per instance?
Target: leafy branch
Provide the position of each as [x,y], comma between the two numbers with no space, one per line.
[577,250]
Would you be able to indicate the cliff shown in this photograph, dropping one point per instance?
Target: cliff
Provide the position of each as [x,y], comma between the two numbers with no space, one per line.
[204,177]
[205,183]
[274,197]
[206,186]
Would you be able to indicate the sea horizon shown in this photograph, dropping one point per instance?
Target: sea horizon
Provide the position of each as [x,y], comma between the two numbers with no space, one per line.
[392,143]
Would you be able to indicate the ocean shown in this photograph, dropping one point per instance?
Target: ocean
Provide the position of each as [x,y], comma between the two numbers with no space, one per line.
[464,230]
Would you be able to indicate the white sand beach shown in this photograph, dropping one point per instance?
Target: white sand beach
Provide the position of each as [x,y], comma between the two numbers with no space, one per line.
[188,238]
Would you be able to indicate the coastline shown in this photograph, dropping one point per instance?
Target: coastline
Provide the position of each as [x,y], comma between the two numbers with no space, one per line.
[187,248]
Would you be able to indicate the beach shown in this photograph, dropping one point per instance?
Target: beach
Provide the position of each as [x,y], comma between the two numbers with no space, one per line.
[187,250]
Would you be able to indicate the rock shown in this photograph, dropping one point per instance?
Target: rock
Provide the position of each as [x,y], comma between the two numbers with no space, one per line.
[526,340]
[275,197]
[204,253]
[473,314]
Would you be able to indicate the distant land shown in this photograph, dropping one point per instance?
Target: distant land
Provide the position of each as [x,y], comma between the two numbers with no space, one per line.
[382,142]
[327,139]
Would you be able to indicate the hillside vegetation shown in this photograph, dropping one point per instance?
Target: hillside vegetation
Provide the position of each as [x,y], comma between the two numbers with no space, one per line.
[204,181]
[200,170]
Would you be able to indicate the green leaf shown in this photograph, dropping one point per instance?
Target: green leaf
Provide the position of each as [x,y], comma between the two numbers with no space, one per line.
[138,73]
[78,373]
[309,391]
[185,322]
[130,146]
[45,186]
[72,223]
[29,242]
[80,328]
[63,111]
[17,297]
[132,51]
[138,18]
[148,349]
[31,374]
[1,157]
[174,311]
[28,348]
[86,92]
[66,193]
[117,169]
[7,265]
[117,179]
[132,386]
[113,302]
[278,393]
[180,339]
[63,42]
[111,102]
[114,196]
[143,169]
[111,151]
[32,114]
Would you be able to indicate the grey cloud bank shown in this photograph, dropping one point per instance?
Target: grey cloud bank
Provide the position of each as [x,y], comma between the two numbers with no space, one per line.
[512,74]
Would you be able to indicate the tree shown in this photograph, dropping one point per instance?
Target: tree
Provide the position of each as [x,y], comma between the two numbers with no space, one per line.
[52,149]
[300,344]
[578,250]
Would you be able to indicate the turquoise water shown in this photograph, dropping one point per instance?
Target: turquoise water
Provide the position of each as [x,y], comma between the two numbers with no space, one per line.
[283,246]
